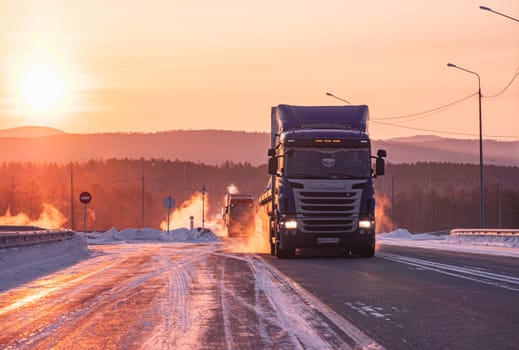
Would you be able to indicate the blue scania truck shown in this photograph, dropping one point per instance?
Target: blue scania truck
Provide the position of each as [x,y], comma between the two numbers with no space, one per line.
[320,192]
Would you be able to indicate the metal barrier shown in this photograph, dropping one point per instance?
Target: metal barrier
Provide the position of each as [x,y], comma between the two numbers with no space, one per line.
[484,232]
[23,238]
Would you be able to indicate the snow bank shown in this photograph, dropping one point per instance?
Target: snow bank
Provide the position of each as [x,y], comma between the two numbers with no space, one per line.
[21,264]
[491,245]
[493,241]
[405,234]
[113,236]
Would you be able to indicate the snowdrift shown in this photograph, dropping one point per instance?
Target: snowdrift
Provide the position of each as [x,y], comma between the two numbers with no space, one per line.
[492,245]
[113,236]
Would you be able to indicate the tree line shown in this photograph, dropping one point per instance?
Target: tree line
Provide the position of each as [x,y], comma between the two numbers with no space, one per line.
[427,196]
[421,197]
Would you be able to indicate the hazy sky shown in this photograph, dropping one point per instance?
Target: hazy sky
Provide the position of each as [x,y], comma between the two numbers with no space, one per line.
[123,65]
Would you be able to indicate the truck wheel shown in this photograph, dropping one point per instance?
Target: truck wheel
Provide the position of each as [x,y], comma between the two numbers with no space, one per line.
[367,252]
[283,253]
[272,245]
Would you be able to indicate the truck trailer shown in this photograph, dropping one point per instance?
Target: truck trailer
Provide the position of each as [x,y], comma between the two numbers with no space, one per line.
[320,192]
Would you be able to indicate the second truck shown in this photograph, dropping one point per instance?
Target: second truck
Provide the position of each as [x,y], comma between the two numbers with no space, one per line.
[238,214]
[320,192]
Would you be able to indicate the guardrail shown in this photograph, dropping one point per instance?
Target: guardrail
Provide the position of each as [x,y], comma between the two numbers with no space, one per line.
[484,232]
[22,238]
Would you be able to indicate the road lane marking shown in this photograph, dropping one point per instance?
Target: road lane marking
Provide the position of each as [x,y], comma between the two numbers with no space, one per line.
[472,274]
[367,310]
[362,340]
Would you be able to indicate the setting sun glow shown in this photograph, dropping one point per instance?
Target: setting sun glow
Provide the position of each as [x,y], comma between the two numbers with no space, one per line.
[39,88]
[89,67]
[42,88]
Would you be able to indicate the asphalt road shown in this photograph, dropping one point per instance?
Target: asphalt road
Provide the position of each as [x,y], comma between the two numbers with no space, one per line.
[409,298]
[214,296]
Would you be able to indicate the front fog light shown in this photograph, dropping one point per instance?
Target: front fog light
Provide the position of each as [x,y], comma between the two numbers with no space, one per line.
[365,224]
[291,225]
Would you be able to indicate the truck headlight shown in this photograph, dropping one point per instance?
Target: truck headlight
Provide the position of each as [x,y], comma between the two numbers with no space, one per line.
[365,224]
[291,224]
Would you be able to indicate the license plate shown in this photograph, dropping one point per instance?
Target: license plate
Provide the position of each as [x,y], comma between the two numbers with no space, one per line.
[328,240]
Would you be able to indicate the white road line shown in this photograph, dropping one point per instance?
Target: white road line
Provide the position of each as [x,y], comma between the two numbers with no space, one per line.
[229,341]
[472,274]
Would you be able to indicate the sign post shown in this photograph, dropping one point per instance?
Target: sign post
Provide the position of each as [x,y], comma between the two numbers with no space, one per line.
[203,204]
[169,202]
[85,198]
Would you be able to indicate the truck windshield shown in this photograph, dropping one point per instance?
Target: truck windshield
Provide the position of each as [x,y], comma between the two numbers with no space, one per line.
[241,207]
[328,162]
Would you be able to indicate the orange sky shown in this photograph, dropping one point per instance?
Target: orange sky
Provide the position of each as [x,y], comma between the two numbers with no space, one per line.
[154,65]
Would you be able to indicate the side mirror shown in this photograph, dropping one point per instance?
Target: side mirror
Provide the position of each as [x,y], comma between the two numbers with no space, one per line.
[380,166]
[271,152]
[381,153]
[273,165]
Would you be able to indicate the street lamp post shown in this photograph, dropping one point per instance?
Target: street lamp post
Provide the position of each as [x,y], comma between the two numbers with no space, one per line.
[481,196]
[343,100]
[498,13]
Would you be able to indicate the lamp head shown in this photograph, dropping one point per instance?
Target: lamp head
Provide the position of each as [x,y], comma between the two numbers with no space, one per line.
[451,65]
[485,8]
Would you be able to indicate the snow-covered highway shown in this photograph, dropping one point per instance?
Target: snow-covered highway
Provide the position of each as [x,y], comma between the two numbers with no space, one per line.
[144,289]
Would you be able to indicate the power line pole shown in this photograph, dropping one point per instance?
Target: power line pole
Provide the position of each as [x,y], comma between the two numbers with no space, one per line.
[11,199]
[71,198]
[392,204]
[142,198]
[499,212]
[203,205]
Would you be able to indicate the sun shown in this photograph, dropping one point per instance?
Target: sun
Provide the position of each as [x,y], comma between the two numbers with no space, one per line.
[42,88]
[39,88]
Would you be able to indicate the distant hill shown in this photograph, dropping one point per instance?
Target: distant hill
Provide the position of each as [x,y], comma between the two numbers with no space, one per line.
[436,149]
[217,146]
[30,131]
[418,138]
[199,146]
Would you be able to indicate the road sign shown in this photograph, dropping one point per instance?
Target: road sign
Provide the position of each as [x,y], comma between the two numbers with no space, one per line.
[85,197]
[169,202]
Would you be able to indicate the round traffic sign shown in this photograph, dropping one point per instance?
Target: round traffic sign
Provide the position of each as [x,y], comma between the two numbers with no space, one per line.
[85,197]
[169,202]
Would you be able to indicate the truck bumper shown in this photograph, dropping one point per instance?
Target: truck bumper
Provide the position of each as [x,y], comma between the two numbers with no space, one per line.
[354,240]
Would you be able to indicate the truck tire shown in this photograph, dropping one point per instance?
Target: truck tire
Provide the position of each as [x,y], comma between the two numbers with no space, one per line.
[368,250]
[283,253]
[272,245]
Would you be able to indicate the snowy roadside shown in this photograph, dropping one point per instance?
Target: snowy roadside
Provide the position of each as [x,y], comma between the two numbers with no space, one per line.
[21,264]
[489,245]
[113,236]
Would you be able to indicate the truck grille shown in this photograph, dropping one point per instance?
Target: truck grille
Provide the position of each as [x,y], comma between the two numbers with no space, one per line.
[323,211]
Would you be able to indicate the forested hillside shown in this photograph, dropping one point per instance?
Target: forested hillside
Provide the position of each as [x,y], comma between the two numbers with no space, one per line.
[428,197]
[425,196]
